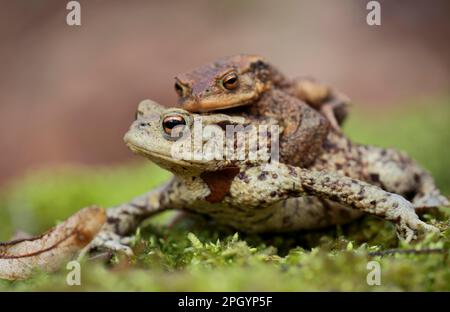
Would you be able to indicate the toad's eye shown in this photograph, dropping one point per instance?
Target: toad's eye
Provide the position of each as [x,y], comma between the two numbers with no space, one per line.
[169,123]
[179,89]
[230,81]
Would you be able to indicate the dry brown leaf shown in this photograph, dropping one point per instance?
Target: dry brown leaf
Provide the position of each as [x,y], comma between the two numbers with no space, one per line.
[48,252]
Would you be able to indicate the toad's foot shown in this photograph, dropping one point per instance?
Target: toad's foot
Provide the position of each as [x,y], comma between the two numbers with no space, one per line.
[110,241]
[408,230]
[408,224]
[327,110]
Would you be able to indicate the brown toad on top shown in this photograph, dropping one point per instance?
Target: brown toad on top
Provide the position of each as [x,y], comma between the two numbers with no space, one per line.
[250,86]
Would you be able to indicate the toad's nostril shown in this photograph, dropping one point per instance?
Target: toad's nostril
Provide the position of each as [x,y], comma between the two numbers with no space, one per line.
[143,124]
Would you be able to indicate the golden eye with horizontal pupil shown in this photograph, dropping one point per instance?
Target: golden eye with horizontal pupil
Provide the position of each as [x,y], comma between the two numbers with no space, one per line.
[179,89]
[230,81]
[170,122]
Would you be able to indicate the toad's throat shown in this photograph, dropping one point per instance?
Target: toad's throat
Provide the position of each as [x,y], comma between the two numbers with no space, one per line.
[219,183]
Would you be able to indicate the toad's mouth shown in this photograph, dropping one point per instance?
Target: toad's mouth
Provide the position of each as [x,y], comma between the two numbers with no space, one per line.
[220,102]
[198,107]
[155,156]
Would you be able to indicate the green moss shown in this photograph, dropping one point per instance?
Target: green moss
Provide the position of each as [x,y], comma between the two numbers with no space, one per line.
[196,255]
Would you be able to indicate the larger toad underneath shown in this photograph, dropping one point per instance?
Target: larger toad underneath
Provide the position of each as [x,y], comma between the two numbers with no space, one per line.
[255,196]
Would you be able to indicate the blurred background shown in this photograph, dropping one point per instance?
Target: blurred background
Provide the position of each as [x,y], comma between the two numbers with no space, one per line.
[67,94]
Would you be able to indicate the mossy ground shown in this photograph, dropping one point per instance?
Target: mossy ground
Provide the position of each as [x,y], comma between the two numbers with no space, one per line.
[196,255]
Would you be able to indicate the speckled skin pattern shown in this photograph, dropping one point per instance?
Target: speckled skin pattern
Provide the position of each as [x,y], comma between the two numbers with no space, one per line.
[264,92]
[343,182]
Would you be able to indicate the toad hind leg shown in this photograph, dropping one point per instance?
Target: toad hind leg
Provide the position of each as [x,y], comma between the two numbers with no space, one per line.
[428,195]
[395,172]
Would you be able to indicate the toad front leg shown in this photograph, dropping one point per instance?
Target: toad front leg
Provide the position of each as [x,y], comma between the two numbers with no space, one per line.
[366,197]
[331,103]
[294,182]
[124,219]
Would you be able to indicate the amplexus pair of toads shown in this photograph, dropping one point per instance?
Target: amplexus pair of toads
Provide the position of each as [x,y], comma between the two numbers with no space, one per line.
[322,178]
